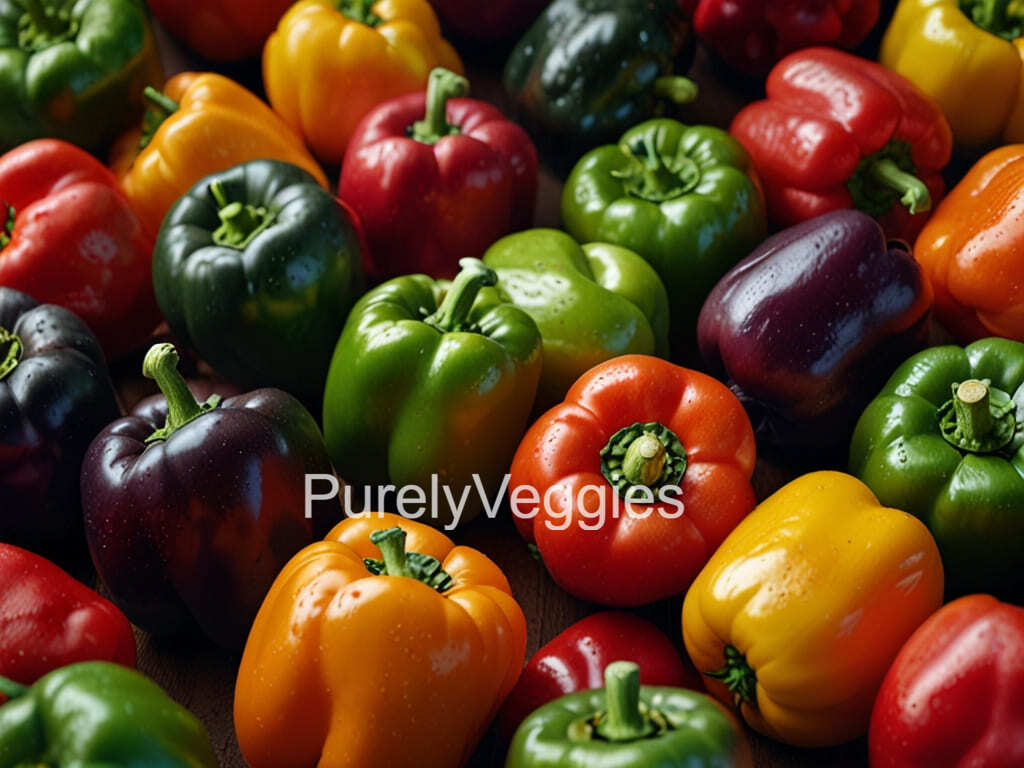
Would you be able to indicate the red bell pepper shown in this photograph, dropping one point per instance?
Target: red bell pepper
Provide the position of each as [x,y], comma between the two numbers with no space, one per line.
[49,620]
[71,239]
[435,179]
[954,696]
[221,30]
[752,35]
[491,20]
[575,660]
[838,131]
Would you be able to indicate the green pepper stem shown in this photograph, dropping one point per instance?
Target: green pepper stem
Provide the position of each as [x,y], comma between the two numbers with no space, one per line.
[161,365]
[10,351]
[411,565]
[999,17]
[48,24]
[453,314]
[650,175]
[681,90]
[644,460]
[160,101]
[360,11]
[239,224]
[391,543]
[11,689]
[643,454]
[7,230]
[442,85]
[973,411]
[623,719]
[913,192]
[738,676]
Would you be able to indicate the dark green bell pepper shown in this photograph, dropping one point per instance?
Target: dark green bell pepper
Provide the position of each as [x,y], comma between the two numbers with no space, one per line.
[626,725]
[73,69]
[683,197]
[98,715]
[591,303]
[256,268]
[944,441]
[432,379]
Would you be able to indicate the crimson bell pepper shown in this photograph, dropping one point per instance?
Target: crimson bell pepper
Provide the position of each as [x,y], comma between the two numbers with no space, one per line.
[221,30]
[838,131]
[751,35]
[436,179]
[69,237]
[49,620]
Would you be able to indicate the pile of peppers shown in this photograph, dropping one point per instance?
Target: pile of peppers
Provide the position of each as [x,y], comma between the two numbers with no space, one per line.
[542,384]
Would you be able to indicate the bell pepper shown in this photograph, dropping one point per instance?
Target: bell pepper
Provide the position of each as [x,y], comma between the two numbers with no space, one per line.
[576,658]
[943,441]
[683,197]
[73,70]
[70,238]
[201,124]
[496,20]
[190,520]
[385,644]
[798,615]
[752,35]
[973,248]
[591,303]
[425,390]
[49,620]
[807,328]
[256,268]
[589,69]
[55,396]
[838,131]
[954,694]
[221,30]
[435,179]
[98,714]
[629,485]
[968,55]
[329,62]
[628,725]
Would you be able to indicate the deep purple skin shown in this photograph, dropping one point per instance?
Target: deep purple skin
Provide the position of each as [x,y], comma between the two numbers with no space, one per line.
[193,530]
[807,329]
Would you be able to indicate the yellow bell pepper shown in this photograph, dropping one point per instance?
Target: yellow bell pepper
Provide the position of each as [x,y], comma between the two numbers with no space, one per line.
[798,615]
[970,61]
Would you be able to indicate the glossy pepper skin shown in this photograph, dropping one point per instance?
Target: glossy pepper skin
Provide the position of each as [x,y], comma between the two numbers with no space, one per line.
[430,379]
[255,268]
[73,69]
[435,178]
[948,451]
[589,69]
[575,660]
[927,714]
[967,55]
[388,619]
[488,21]
[973,243]
[752,35]
[591,303]
[202,123]
[807,328]
[798,615]
[49,620]
[331,61]
[71,238]
[99,714]
[638,475]
[837,131]
[627,725]
[221,30]
[55,396]
[190,520]
[683,197]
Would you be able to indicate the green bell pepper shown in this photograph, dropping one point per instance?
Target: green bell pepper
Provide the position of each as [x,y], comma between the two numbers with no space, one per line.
[591,303]
[683,197]
[944,441]
[73,69]
[256,268]
[98,715]
[626,725]
[432,379]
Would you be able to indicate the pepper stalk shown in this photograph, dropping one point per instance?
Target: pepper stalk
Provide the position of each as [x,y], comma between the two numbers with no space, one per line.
[161,364]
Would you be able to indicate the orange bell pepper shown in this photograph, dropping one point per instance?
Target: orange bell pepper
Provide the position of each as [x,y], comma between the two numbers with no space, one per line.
[396,662]
[332,61]
[972,249]
[798,615]
[203,123]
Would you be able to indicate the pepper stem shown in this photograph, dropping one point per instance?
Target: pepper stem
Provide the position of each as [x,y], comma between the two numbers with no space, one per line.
[7,230]
[161,364]
[681,90]
[359,11]
[623,720]
[973,412]
[239,223]
[411,565]
[453,314]
[647,455]
[654,176]
[48,24]
[442,85]
[10,351]
[11,689]
[160,101]
[644,460]
[1004,18]
[44,24]
[913,192]
[738,677]
[160,108]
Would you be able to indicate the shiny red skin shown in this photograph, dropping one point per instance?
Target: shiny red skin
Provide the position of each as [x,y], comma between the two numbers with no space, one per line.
[954,697]
[423,207]
[76,242]
[575,660]
[49,620]
[490,20]
[221,30]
